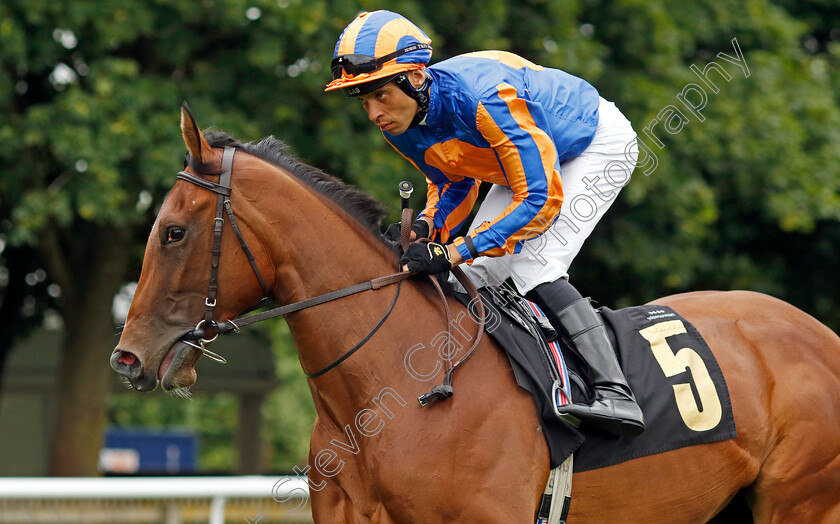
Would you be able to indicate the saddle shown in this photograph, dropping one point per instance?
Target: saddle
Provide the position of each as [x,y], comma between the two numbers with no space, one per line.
[670,368]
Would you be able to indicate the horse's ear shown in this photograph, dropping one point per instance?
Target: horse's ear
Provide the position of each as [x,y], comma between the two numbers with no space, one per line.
[199,149]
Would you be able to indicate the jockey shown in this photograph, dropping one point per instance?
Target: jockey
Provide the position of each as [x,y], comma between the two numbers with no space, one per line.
[549,144]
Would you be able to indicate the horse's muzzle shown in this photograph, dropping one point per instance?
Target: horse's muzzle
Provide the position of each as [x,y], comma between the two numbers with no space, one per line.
[128,365]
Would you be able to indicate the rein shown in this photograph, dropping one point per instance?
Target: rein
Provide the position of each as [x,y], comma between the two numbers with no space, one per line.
[223,190]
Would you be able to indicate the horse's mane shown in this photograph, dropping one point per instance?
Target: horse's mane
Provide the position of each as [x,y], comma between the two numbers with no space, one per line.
[358,204]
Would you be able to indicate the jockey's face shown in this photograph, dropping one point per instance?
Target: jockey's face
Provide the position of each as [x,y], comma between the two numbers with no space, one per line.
[390,108]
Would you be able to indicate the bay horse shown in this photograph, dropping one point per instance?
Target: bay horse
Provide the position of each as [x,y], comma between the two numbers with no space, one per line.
[480,456]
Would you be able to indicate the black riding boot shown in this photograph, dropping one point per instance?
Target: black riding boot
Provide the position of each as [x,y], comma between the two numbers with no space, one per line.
[613,407]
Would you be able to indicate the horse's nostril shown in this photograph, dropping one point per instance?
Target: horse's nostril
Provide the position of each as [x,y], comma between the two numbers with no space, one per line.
[126,363]
[127,358]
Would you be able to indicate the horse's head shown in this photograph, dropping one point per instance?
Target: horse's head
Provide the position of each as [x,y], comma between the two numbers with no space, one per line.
[158,343]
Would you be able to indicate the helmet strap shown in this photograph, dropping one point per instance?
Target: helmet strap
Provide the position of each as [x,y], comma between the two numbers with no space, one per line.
[420,94]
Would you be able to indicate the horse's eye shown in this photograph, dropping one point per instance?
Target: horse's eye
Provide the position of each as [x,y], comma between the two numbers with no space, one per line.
[174,234]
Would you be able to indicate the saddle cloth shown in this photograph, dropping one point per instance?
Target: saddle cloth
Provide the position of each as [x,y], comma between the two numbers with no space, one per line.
[672,372]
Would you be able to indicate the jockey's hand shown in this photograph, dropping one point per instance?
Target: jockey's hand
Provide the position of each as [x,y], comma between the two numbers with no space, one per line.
[419,229]
[430,259]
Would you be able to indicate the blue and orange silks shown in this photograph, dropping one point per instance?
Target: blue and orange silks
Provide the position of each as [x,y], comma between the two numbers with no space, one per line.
[378,34]
[496,117]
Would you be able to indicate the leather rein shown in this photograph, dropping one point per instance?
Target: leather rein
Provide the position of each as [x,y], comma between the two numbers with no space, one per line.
[223,205]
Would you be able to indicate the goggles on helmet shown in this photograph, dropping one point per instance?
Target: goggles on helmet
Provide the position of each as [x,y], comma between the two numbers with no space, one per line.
[354,65]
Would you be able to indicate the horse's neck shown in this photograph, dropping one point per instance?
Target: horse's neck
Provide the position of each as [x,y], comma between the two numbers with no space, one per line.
[318,248]
[327,250]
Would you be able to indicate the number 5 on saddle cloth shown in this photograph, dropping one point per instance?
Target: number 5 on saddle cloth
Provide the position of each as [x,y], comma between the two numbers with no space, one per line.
[674,376]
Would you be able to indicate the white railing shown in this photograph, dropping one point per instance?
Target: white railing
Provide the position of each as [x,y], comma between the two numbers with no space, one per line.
[287,493]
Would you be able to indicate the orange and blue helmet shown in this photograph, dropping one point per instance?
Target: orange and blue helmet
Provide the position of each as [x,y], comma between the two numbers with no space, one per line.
[374,48]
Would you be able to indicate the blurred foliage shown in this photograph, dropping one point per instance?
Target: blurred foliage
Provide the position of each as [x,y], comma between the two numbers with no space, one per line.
[745,198]
[212,417]
[289,412]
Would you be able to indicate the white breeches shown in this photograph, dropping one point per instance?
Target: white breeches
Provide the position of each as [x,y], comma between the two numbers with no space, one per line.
[591,182]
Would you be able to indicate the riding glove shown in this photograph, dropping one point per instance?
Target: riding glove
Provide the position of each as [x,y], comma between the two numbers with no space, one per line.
[420,228]
[428,258]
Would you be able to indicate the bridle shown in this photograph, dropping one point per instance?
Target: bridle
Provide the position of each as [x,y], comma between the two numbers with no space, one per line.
[195,337]
[222,190]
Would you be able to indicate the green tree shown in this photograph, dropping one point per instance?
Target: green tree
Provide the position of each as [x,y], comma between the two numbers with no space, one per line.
[89,93]
[740,197]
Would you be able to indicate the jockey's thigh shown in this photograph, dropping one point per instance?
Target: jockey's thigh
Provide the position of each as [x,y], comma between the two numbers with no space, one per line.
[591,182]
